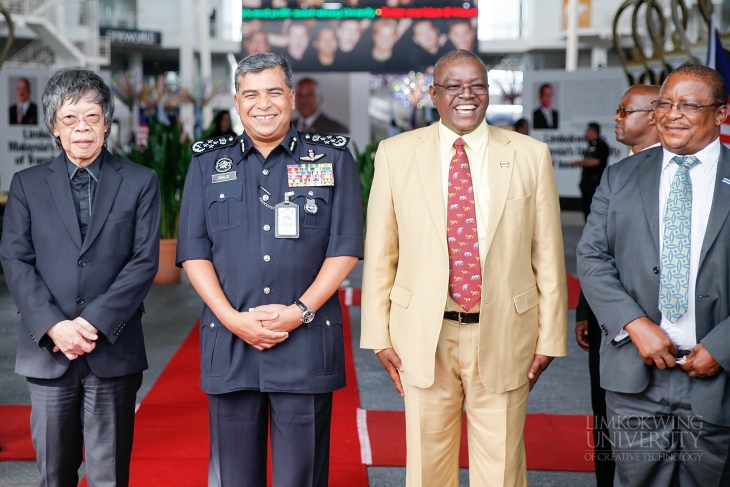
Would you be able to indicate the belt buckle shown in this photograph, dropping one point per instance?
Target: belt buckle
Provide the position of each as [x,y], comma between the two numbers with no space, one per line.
[458,315]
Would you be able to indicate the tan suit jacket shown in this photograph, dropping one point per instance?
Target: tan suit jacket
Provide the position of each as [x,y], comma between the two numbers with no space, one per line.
[406,269]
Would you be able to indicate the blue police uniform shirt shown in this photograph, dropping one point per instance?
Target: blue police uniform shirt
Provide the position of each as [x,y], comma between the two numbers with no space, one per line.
[231,223]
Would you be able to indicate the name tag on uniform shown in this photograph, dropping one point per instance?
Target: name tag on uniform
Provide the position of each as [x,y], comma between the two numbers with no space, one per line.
[226,176]
[304,175]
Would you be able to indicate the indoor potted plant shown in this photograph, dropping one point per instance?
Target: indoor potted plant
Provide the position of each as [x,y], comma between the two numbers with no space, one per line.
[168,153]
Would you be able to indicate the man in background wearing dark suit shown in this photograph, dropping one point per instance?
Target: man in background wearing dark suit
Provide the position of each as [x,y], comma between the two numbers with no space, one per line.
[79,248]
[544,116]
[23,111]
[309,100]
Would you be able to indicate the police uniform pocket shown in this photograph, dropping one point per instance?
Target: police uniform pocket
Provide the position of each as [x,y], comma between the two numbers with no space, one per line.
[224,205]
[314,207]
[216,349]
[326,353]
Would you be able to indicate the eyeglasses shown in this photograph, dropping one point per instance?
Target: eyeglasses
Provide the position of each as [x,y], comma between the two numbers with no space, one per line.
[92,120]
[663,106]
[622,112]
[453,90]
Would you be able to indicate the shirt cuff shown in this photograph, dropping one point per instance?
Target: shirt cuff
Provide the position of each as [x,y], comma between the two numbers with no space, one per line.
[341,245]
[198,249]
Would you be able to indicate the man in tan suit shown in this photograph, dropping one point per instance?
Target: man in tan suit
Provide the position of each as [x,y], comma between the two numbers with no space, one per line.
[464,290]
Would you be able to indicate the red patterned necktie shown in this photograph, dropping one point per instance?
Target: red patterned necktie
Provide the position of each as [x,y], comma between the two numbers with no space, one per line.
[465,274]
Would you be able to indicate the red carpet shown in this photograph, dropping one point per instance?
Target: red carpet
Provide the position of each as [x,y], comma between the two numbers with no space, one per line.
[573,291]
[171,430]
[15,434]
[552,442]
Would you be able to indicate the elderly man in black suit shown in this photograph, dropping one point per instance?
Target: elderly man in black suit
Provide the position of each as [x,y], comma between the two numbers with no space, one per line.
[79,248]
[309,102]
[545,116]
[23,111]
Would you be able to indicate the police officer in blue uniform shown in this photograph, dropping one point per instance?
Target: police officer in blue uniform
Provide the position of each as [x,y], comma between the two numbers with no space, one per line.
[594,162]
[271,224]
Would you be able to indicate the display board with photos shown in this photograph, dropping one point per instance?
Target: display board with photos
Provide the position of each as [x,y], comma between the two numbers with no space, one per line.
[362,35]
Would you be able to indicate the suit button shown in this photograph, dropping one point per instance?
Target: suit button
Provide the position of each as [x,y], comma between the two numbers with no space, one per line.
[655,270]
[267,290]
[267,228]
[265,172]
[79,300]
[122,323]
[82,263]
[267,258]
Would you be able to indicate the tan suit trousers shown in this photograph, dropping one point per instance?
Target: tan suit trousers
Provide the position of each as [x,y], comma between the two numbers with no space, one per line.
[495,422]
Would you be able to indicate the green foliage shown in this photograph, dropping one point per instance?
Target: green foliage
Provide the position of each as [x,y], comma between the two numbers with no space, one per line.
[168,153]
[365,162]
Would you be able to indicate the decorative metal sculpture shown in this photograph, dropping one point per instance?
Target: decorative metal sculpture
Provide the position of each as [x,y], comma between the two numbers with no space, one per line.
[662,30]
[11,35]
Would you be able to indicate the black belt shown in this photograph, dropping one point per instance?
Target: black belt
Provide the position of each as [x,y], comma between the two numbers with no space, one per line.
[462,318]
[682,353]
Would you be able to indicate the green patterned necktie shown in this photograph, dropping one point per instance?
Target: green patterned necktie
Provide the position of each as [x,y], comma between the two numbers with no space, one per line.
[674,283]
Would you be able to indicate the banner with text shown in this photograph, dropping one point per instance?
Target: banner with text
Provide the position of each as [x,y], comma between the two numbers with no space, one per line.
[560,104]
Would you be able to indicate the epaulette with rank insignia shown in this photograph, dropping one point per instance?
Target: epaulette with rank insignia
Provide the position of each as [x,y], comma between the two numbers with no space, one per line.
[203,146]
[328,140]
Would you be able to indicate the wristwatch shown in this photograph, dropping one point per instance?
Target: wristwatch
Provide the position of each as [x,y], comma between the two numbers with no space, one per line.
[307,314]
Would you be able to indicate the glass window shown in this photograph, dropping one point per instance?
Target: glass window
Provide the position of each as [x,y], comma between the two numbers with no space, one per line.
[500,19]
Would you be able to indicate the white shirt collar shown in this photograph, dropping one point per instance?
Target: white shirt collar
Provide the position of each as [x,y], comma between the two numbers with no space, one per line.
[708,156]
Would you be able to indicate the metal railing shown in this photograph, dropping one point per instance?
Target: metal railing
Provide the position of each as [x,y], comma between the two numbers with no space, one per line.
[36,54]
[26,7]
[86,49]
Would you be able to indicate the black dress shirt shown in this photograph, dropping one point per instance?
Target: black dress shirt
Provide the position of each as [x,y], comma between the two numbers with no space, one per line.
[83,189]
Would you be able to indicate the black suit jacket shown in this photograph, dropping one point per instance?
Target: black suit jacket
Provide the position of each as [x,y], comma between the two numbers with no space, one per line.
[326,125]
[30,117]
[53,275]
[539,122]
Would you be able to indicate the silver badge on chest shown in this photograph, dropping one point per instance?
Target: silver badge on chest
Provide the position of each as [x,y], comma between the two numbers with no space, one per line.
[310,206]
[224,164]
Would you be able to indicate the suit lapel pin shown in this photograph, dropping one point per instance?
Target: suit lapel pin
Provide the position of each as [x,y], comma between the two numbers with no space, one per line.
[504,164]
[311,156]
[726,180]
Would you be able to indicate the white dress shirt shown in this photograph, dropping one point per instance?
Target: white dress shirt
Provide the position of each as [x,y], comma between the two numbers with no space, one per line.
[304,124]
[683,333]
[548,113]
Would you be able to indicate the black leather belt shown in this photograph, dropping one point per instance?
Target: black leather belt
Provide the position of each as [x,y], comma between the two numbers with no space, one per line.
[462,318]
[682,353]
